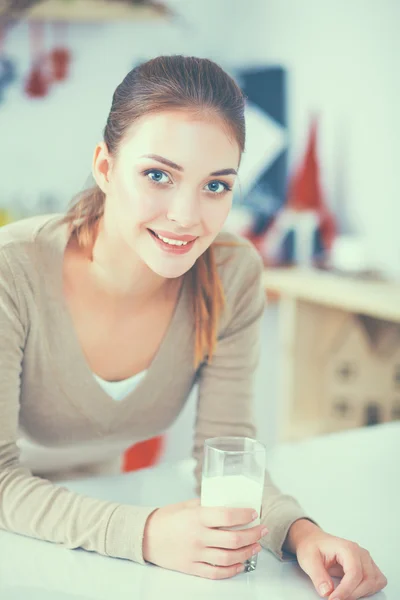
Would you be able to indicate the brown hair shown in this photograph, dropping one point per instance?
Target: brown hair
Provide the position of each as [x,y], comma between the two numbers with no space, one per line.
[166,83]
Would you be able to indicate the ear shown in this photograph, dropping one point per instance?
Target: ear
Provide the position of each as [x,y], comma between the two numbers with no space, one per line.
[101,166]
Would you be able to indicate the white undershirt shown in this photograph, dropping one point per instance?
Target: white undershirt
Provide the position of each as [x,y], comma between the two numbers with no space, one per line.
[118,390]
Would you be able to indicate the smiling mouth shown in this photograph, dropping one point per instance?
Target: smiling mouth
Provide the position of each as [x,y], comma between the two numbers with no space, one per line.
[173,245]
[174,241]
[169,240]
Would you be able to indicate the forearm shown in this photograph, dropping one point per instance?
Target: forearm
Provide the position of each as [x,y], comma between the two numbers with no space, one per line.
[37,508]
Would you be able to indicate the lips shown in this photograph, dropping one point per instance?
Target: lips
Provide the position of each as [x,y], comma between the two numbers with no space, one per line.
[173,248]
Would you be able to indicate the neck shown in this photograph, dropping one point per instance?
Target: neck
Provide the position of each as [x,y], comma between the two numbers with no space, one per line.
[120,272]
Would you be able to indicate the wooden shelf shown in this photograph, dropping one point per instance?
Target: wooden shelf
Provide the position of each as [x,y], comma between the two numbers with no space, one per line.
[379,299]
[88,11]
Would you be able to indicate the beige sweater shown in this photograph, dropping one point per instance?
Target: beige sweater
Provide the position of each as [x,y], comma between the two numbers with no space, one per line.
[48,391]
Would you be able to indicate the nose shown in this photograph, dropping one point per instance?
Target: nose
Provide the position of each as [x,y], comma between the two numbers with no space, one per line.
[184,210]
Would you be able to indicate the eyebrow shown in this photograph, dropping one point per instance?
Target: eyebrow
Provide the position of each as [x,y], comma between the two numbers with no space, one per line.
[173,165]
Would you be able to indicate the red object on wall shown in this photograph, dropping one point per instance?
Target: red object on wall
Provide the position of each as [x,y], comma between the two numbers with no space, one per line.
[60,59]
[37,83]
[143,454]
[60,56]
[304,190]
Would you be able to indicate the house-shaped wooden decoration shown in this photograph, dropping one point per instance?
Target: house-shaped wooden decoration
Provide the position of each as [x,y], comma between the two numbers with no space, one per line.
[361,375]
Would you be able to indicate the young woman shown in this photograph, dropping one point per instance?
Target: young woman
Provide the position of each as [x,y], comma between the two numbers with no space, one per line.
[109,314]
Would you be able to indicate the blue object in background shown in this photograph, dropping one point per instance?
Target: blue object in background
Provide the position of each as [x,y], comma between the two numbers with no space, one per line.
[7,74]
[267,88]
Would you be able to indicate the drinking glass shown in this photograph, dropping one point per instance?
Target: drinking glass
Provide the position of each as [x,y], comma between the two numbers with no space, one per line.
[233,476]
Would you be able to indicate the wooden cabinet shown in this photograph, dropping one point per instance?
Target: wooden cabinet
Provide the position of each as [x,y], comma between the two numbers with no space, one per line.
[339,351]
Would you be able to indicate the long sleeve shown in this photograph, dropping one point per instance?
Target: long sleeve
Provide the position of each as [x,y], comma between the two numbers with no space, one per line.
[225,403]
[31,505]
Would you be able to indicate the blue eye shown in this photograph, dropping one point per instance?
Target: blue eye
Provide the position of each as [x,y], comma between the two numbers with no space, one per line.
[218,187]
[156,176]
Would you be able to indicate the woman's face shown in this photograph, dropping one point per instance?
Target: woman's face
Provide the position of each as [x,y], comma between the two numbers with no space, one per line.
[169,189]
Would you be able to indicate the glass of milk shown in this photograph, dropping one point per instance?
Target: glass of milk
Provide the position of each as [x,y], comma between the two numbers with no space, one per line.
[233,476]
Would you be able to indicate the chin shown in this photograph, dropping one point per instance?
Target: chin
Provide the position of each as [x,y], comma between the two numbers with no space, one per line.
[171,270]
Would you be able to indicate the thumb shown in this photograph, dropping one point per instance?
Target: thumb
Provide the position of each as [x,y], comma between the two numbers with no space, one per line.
[312,563]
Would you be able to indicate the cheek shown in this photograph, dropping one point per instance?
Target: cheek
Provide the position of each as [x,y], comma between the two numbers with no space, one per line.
[137,205]
[215,214]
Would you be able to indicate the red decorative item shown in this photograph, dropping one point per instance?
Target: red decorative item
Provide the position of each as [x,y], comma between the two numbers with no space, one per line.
[37,83]
[60,56]
[305,193]
[303,230]
[143,454]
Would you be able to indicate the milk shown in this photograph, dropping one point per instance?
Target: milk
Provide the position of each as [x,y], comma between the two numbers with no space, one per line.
[233,491]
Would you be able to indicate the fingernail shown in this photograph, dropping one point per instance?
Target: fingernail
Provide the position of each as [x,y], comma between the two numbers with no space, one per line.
[254,515]
[264,532]
[240,569]
[324,589]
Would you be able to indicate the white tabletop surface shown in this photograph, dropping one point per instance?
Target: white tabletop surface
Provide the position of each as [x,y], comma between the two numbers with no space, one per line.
[348,482]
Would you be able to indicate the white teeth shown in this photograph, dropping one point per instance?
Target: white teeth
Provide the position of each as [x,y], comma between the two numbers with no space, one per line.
[171,242]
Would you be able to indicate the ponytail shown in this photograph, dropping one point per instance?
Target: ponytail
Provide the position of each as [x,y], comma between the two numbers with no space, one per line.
[208,302]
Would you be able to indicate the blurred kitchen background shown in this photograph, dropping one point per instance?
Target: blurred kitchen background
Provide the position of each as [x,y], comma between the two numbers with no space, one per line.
[319,181]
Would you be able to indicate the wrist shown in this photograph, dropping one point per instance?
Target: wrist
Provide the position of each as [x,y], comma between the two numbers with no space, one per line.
[147,545]
[298,531]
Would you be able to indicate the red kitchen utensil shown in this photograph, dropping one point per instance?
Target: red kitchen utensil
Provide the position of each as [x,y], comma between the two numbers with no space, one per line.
[60,56]
[37,82]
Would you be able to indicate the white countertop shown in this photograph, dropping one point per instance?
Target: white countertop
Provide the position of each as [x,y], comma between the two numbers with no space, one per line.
[348,482]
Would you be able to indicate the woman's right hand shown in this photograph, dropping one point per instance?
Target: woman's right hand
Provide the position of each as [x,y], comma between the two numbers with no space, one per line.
[186,537]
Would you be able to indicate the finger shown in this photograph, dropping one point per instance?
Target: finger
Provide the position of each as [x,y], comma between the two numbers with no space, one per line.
[216,572]
[232,540]
[363,590]
[350,560]
[312,563]
[226,558]
[226,517]
[374,581]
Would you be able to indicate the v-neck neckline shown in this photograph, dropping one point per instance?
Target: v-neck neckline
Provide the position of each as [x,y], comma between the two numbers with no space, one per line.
[83,383]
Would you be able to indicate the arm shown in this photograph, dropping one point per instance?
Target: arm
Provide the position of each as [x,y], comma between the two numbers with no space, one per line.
[226,396]
[30,505]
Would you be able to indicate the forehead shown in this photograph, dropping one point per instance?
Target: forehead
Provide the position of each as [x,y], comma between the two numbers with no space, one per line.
[192,141]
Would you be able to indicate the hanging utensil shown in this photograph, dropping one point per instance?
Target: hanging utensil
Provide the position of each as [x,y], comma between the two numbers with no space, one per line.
[37,83]
[60,56]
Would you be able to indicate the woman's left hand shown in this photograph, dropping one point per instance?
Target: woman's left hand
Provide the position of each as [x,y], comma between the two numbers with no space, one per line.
[322,555]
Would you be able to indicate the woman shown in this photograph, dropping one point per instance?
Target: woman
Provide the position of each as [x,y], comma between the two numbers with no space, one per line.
[108,315]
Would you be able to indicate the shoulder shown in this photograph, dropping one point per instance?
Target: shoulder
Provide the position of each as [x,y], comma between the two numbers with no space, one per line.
[24,245]
[20,234]
[240,268]
[239,264]
[20,240]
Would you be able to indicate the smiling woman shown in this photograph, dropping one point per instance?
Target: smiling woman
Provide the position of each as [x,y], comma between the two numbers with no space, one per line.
[199,136]
[110,313]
